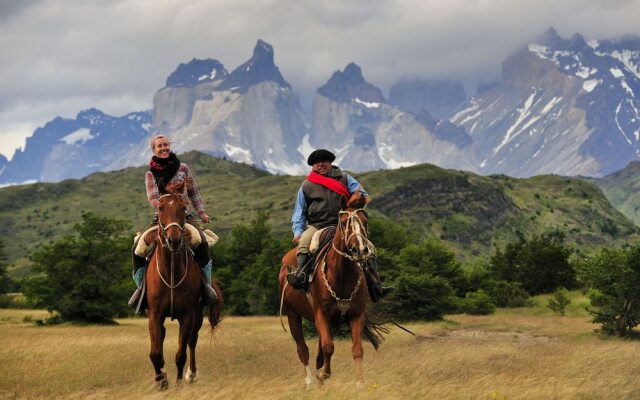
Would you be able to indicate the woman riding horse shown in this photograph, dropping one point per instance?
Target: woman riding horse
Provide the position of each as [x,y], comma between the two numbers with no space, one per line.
[166,170]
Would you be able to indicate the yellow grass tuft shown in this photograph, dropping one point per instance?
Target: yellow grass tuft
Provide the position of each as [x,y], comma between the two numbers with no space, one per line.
[509,355]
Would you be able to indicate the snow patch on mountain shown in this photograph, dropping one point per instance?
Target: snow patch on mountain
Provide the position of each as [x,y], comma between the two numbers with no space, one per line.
[80,136]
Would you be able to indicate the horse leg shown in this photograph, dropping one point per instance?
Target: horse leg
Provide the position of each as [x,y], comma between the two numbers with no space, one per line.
[295,326]
[156,334]
[357,327]
[326,342]
[186,328]
[191,376]
[319,359]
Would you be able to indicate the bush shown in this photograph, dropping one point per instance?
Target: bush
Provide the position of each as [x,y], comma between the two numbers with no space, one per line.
[540,264]
[419,296]
[559,301]
[478,303]
[509,294]
[613,279]
[84,278]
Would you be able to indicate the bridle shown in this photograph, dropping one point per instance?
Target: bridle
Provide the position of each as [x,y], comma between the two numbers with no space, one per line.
[163,232]
[165,243]
[358,231]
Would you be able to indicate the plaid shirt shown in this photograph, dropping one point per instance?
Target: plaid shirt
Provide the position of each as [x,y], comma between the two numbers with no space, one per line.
[191,192]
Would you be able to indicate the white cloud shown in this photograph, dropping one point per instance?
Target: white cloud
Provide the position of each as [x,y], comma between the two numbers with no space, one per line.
[57,54]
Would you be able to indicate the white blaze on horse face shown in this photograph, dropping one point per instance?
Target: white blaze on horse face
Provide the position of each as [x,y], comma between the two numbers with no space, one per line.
[362,246]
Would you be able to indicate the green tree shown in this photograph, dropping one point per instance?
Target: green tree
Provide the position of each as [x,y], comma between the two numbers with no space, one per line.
[540,264]
[613,278]
[478,303]
[434,258]
[5,281]
[84,277]
[250,263]
[559,302]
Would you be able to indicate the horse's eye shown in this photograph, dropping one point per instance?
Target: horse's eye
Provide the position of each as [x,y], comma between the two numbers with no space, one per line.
[160,208]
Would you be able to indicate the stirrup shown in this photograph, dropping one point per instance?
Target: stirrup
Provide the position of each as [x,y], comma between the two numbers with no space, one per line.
[297,279]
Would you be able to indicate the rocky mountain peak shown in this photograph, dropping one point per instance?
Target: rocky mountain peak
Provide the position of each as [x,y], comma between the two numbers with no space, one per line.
[259,68]
[195,72]
[350,86]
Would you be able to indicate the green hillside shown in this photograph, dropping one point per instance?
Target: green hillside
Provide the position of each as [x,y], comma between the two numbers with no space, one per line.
[470,212]
[622,188]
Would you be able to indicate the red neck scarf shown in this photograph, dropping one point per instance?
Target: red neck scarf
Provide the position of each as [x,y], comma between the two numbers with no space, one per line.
[329,183]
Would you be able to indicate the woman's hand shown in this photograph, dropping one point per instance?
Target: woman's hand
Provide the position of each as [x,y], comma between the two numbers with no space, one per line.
[205,218]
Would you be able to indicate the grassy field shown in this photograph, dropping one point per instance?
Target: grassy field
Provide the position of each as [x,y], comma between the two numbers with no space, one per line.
[514,354]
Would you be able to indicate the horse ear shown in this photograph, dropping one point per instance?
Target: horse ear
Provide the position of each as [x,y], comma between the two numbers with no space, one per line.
[161,187]
[344,202]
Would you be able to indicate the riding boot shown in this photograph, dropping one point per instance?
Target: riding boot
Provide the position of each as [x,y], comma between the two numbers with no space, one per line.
[209,296]
[299,278]
[139,269]
[376,290]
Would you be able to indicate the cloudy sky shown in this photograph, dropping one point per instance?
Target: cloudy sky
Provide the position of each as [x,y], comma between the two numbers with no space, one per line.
[62,56]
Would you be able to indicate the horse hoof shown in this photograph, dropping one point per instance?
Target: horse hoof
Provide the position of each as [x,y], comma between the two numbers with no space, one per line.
[190,377]
[162,383]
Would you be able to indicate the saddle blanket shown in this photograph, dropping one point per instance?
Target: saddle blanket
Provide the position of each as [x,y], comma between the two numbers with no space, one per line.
[144,239]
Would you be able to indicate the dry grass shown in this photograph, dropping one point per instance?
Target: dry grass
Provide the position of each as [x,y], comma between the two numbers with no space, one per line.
[513,354]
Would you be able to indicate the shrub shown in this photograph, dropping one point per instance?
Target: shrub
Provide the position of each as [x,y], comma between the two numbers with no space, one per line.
[613,279]
[540,264]
[559,301]
[420,296]
[509,294]
[478,303]
[84,278]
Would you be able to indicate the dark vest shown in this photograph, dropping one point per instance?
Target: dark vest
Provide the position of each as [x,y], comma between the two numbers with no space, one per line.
[323,204]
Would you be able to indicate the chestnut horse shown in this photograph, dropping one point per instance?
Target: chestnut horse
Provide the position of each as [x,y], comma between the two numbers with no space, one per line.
[173,281]
[338,293]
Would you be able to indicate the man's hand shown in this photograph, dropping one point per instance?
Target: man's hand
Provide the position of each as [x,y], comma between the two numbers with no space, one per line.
[296,240]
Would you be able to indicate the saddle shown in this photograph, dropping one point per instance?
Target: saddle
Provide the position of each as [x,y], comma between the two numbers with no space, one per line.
[320,243]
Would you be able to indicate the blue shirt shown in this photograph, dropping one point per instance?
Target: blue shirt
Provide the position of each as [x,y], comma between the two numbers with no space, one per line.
[299,217]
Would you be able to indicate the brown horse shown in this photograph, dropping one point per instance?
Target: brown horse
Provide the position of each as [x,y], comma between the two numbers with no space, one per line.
[338,293]
[173,281]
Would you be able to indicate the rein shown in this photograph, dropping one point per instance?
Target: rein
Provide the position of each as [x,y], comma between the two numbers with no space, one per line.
[186,249]
[352,220]
[356,227]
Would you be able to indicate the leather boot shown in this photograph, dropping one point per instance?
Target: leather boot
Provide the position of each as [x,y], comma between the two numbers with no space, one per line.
[376,290]
[299,278]
[139,269]
[209,295]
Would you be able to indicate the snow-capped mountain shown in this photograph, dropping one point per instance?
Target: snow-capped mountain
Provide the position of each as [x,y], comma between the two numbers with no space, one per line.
[564,106]
[352,116]
[74,148]
[251,115]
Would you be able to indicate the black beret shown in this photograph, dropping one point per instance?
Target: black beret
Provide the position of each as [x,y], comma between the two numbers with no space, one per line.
[320,155]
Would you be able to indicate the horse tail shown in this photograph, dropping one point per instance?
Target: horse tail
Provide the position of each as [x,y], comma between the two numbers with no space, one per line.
[214,312]
[375,329]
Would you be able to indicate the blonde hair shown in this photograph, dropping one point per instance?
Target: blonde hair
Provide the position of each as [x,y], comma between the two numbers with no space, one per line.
[153,139]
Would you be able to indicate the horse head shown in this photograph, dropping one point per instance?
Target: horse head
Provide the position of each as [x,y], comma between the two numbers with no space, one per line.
[353,225]
[172,212]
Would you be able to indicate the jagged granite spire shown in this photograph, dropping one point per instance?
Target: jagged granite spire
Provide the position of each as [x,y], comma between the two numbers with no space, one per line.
[260,68]
[195,72]
[349,85]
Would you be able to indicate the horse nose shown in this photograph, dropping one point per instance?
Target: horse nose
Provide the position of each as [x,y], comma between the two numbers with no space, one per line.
[174,241]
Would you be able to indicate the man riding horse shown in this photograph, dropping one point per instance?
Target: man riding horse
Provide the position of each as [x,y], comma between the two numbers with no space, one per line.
[317,206]
[166,170]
